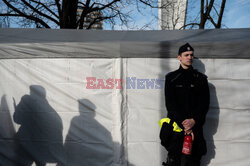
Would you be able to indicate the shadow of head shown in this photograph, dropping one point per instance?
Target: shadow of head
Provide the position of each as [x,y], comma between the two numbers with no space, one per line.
[3,105]
[199,65]
[86,106]
[37,90]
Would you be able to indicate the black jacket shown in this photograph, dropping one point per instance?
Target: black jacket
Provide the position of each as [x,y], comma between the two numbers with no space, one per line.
[187,96]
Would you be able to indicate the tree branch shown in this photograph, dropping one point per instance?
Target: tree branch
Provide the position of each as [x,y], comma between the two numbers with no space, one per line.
[83,4]
[105,6]
[206,4]
[44,6]
[148,4]
[191,24]
[9,14]
[99,18]
[84,13]
[212,20]
[223,3]
[59,9]
[211,3]
[216,11]
[40,13]
[22,14]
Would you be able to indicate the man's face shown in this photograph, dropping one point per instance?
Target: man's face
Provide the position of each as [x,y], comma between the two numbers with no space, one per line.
[186,59]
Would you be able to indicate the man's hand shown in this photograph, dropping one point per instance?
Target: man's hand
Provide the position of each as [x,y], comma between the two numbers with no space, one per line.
[190,132]
[188,124]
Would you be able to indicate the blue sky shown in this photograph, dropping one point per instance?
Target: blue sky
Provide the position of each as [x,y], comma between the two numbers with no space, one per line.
[146,19]
[236,15]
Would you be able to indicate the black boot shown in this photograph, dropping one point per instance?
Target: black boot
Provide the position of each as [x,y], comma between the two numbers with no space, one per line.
[172,161]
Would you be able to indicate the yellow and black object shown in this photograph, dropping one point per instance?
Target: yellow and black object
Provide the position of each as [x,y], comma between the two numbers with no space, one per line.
[168,128]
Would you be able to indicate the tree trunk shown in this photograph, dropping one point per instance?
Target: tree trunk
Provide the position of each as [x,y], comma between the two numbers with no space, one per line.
[202,20]
[69,10]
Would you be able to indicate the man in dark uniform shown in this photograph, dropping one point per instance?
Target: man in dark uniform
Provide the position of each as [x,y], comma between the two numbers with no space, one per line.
[187,102]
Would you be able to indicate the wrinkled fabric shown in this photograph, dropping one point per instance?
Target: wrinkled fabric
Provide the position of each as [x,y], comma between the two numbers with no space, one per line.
[116,126]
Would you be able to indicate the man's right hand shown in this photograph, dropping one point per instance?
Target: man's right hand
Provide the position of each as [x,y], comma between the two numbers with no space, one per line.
[190,132]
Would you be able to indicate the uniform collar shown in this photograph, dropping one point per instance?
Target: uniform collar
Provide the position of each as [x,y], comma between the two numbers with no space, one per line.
[185,70]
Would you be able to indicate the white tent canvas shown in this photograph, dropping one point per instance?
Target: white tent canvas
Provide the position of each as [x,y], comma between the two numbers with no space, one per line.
[71,98]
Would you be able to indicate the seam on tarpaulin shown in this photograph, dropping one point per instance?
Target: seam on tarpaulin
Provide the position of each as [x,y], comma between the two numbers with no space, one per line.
[113,120]
[125,111]
[119,118]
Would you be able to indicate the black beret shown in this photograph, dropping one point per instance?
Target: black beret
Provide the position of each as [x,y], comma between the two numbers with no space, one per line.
[184,48]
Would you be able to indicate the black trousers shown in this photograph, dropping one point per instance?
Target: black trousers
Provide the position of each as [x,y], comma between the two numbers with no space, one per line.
[182,160]
[175,156]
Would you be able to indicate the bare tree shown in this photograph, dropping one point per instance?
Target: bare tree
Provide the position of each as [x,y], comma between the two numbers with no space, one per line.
[63,13]
[210,14]
[4,21]
[173,15]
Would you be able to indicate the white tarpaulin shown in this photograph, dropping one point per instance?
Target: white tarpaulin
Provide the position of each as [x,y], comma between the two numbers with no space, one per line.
[94,98]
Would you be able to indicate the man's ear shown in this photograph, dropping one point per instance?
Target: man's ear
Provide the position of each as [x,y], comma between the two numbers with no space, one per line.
[179,57]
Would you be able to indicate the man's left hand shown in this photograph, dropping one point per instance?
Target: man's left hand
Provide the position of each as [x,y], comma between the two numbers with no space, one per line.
[188,124]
